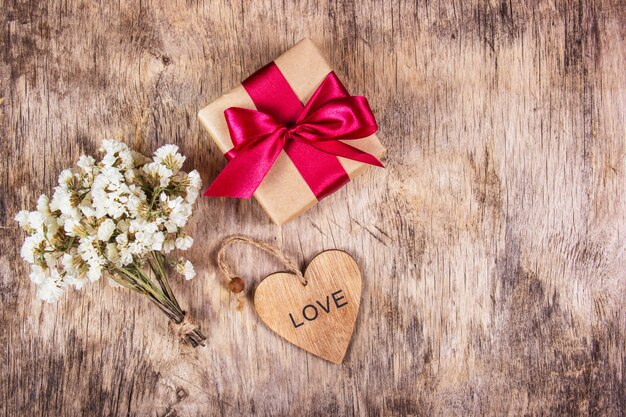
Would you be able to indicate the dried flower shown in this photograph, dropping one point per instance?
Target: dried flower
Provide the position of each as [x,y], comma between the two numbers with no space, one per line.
[185,268]
[118,217]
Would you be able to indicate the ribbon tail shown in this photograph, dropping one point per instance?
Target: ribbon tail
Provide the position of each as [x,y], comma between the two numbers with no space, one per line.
[338,148]
[245,172]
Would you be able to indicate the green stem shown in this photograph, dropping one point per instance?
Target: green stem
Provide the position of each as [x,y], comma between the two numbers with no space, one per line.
[162,276]
[156,192]
[135,278]
[157,292]
[70,244]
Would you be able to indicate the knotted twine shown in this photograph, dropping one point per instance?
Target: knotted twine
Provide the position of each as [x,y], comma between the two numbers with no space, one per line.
[237,283]
[186,330]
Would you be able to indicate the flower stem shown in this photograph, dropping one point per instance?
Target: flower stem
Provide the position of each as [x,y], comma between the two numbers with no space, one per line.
[135,278]
[159,272]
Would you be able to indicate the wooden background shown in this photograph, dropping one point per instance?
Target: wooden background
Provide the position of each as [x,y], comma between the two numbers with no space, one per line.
[492,247]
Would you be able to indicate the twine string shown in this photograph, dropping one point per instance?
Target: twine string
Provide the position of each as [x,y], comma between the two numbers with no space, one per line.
[271,249]
[185,328]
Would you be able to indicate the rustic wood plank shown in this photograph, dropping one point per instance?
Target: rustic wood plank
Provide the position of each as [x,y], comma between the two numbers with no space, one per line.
[492,247]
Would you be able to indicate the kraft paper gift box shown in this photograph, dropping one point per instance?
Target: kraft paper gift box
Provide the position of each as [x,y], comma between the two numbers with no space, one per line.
[283,193]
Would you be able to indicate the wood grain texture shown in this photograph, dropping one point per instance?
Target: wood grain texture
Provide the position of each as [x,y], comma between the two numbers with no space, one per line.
[319,314]
[492,247]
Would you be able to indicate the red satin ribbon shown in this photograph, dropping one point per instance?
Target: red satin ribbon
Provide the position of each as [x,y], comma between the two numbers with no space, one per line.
[309,134]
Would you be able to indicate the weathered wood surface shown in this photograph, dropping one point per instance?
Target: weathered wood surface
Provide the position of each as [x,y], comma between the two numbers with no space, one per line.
[492,247]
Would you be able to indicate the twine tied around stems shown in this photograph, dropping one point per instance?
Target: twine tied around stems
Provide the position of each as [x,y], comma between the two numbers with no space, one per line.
[236,284]
[187,331]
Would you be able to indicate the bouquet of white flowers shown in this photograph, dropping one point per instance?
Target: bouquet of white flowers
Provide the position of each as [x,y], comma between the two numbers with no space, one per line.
[120,218]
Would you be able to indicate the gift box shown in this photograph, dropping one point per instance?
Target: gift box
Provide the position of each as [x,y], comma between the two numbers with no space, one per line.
[292,134]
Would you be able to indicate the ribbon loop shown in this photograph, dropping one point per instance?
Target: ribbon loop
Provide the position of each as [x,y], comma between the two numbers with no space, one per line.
[311,135]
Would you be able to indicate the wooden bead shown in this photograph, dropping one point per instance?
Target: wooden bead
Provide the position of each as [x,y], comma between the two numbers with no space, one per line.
[236,285]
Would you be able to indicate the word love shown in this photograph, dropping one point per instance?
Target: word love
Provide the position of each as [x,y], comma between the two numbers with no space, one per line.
[310,312]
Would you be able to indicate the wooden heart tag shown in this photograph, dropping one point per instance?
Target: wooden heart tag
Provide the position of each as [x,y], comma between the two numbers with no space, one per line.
[318,317]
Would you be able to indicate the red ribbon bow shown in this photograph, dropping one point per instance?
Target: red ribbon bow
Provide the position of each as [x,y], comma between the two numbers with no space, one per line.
[309,134]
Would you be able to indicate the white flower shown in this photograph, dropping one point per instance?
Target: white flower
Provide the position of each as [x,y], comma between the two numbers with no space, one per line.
[130,175]
[73,227]
[77,283]
[36,219]
[195,183]
[61,200]
[194,180]
[65,178]
[106,229]
[37,274]
[89,249]
[86,163]
[180,211]
[30,219]
[51,258]
[110,193]
[185,268]
[184,242]
[72,275]
[51,288]
[126,256]
[170,227]
[95,272]
[136,200]
[88,170]
[123,225]
[156,241]
[169,245]
[158,173]
[22,218]
[126,158]
[191,196]
[52,226]
[109,159]
[113,254]
[30,243]
[49,291]
[43,205]
[122,239]
[147,237]
[86,206]
[169,157]
[136,248]
[116,154]
[68,263]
